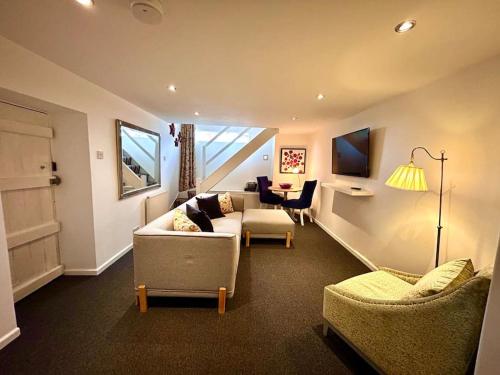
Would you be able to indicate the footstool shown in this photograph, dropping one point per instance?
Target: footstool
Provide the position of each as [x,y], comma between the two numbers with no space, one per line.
[262,223]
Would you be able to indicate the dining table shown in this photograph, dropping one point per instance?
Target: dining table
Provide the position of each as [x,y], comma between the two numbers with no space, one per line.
[279,189]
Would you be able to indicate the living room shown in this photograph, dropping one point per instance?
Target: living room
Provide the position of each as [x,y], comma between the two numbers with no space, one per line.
[265,78]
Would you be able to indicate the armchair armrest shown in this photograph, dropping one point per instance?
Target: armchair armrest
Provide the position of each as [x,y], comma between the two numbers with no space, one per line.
[411,278]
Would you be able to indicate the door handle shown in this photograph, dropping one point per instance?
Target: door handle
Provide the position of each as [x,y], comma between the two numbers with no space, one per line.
[55,180]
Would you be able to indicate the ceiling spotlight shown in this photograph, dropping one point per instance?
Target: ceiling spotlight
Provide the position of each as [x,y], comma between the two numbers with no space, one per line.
[86,3]
[172,88]
[294,118]
[320,97]
[197,113]
[405,26]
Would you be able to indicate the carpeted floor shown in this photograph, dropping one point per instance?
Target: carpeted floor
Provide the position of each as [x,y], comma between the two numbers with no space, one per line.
[90,325]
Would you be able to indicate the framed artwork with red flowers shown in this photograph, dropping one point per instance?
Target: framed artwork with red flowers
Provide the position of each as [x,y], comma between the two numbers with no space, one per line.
[293,160]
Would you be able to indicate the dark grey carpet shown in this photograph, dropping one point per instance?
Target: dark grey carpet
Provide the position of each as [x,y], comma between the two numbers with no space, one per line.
[90,325]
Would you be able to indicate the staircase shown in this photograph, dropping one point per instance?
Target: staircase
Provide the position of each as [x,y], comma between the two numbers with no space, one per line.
[232,162]
[135,176]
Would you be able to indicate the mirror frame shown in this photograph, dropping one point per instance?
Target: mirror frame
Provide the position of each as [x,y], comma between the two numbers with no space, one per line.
[119,125]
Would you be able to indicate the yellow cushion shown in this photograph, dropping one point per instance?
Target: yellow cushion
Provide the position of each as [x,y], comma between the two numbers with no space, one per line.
[184,224]
[226,204]
[446,276]
[376,285]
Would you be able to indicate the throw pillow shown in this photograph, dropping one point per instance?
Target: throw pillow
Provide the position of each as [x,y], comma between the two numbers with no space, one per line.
[211,206]
[226,204]
[446,276]
[200,218]
[183,224]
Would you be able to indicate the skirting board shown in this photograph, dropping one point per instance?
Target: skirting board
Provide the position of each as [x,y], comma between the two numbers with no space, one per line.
[30,286]
[354,252]
[9,337]
[101,268]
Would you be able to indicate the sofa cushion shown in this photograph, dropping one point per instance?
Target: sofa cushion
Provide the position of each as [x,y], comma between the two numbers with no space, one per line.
[210,205]
[376,285]
[231,223]
[226,204]
[183,224]
[200,218]
[446,276]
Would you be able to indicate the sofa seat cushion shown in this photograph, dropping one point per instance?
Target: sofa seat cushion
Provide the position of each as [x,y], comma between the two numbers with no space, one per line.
[231,223]
[379,285]
[446,276]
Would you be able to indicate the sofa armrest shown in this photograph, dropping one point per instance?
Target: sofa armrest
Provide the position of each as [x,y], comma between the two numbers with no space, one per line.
[411,278]
[187,262]
[436,334]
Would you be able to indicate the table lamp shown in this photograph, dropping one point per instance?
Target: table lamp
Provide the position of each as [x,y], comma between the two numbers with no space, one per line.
[410,177]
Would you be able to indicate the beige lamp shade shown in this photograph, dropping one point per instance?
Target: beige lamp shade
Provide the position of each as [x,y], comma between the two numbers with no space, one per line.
[408,177]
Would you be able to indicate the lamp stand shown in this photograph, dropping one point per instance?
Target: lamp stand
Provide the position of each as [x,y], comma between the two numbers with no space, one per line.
[439,227]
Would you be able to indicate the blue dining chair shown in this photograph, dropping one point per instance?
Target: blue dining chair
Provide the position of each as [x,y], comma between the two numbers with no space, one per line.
[303,202]
[266,196]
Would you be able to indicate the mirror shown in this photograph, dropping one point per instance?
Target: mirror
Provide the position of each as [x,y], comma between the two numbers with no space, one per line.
[138,154]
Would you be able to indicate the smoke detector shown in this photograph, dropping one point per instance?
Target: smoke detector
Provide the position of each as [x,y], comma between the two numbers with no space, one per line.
[147,11]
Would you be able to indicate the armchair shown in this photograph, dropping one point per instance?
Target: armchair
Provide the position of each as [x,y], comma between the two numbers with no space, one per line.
[438,334]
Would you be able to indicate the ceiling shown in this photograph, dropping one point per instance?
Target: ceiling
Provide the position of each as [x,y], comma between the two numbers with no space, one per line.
[258,62]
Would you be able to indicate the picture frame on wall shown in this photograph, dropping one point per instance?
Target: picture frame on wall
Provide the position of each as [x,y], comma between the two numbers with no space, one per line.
[293,160]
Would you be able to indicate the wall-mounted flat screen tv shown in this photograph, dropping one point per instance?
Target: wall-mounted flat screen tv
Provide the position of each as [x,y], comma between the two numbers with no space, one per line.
[350,154]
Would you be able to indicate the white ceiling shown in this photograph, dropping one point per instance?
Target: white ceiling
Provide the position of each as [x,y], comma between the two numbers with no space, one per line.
[258,62]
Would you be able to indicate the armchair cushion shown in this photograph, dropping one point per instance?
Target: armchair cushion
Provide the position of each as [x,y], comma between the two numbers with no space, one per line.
[378,285]
[446,276]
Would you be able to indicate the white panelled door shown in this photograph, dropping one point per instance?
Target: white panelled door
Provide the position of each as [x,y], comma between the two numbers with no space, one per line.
[28,199]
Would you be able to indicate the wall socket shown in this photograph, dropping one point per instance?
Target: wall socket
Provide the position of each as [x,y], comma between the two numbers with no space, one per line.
[100,154]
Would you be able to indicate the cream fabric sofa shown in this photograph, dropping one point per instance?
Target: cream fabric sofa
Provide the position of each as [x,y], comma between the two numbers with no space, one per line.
[187,264]
[438,334]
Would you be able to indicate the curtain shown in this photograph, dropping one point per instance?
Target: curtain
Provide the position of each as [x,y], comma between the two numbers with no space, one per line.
[187,178]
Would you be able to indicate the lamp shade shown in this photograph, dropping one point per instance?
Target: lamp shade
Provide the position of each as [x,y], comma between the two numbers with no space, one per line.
[408,177]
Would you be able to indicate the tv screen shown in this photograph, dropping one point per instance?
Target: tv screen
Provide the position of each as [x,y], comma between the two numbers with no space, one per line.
[350,154]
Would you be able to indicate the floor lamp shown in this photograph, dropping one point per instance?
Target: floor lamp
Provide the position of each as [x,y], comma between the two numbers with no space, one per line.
[409,177]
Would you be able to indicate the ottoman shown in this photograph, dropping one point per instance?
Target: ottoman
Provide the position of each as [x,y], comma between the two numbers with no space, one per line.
[262,223]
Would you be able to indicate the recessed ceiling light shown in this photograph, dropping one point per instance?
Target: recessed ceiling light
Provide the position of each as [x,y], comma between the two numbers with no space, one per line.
[86,3]
[197,113]
[320,97]
[172,88]
[405,26]
[294,118]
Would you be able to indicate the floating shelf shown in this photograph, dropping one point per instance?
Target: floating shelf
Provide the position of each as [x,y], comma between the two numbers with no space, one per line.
[347,190]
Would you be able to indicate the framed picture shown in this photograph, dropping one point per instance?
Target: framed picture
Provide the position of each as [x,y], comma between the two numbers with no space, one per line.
[293,159]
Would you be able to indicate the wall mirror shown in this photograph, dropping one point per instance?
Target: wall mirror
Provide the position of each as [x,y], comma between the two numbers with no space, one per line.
[138,154]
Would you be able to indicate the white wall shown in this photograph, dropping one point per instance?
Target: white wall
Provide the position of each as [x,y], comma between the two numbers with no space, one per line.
[487,358]
[8,325]
[398,228]
[70,150]
[29,74]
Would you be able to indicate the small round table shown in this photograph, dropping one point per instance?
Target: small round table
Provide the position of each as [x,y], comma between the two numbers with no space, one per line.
[285,192]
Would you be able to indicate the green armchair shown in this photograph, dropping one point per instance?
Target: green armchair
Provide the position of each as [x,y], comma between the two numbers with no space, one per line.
[438,334]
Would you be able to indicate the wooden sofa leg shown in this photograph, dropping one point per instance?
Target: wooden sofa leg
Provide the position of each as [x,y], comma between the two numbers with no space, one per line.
[247,238]
[143,298]
[222,300]
[288,239]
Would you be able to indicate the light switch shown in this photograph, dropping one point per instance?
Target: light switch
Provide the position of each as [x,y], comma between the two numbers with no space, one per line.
[265,157]
[100,154]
